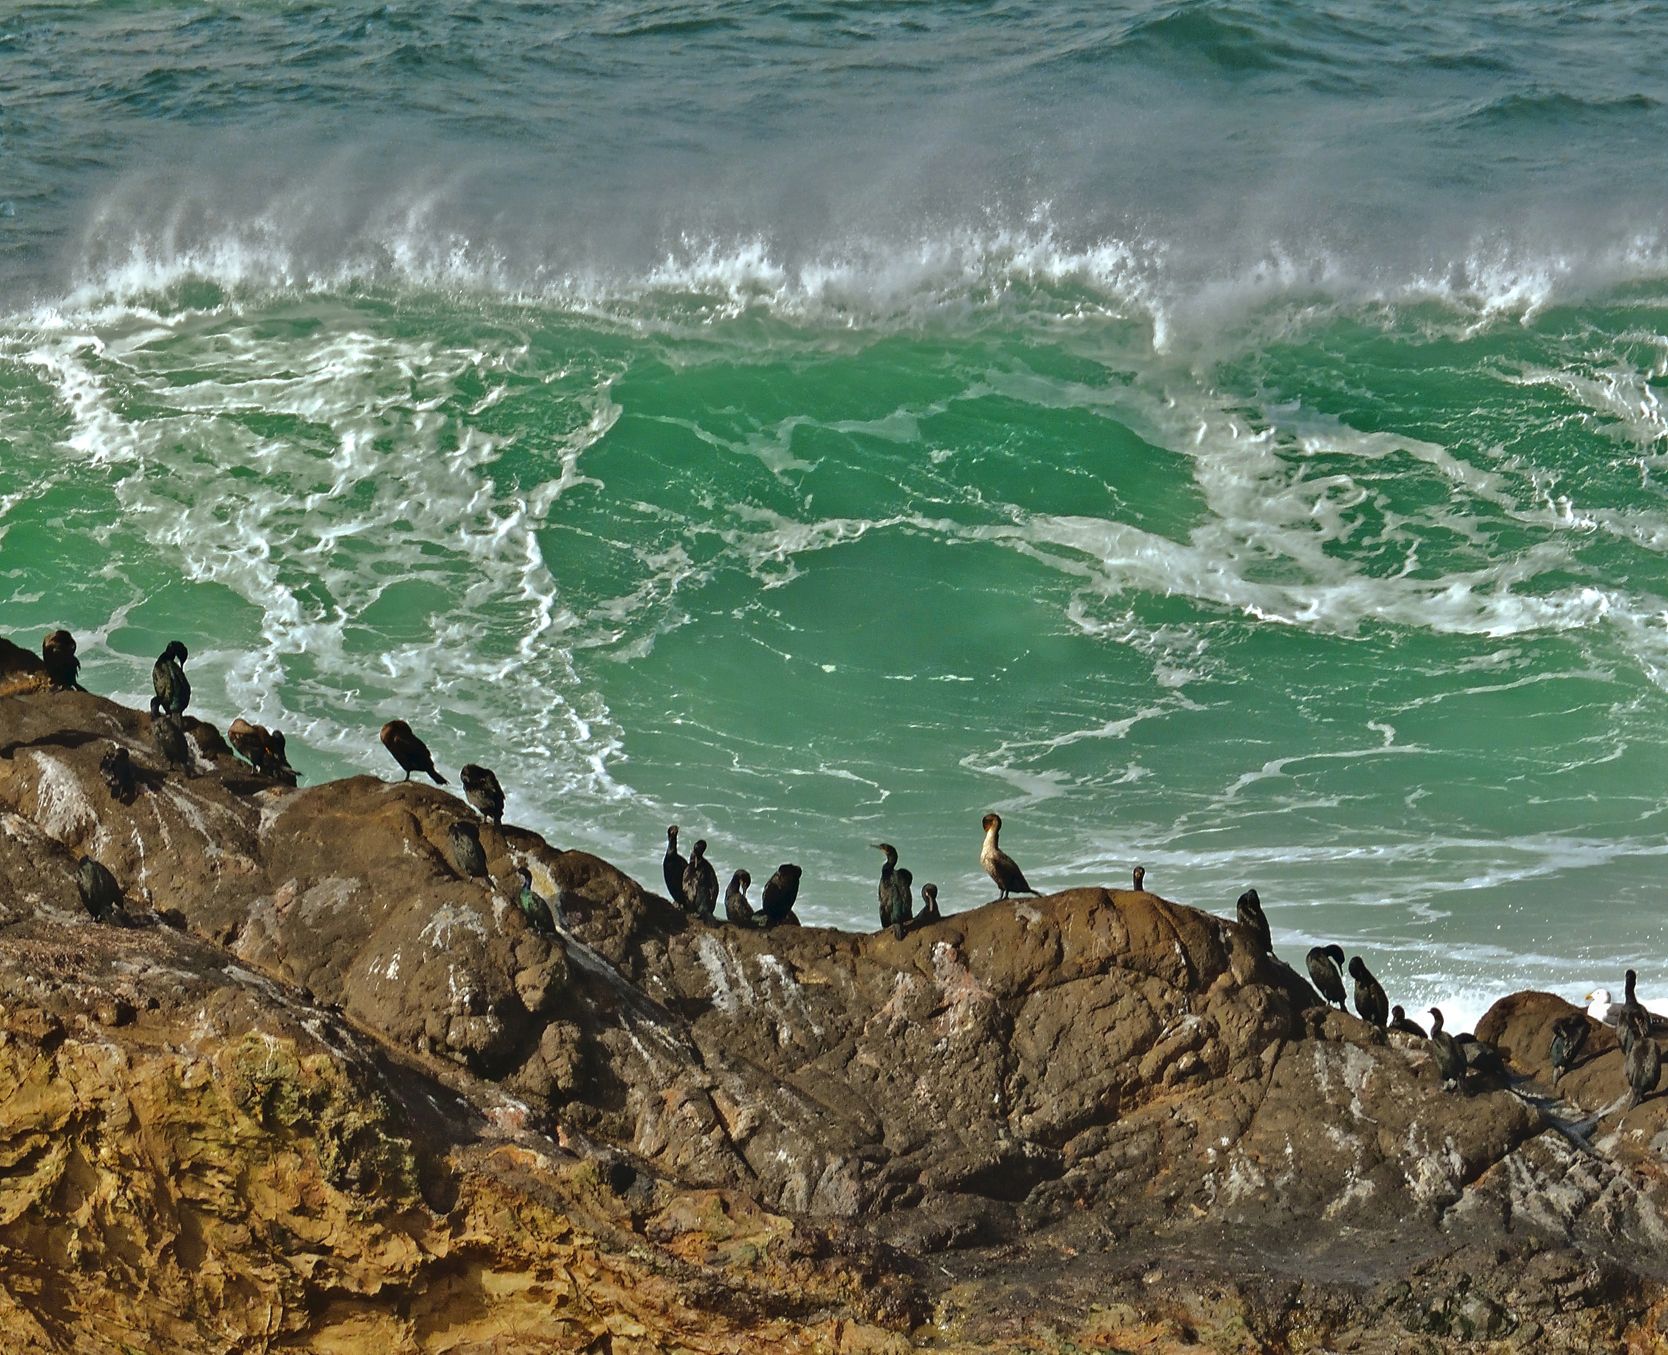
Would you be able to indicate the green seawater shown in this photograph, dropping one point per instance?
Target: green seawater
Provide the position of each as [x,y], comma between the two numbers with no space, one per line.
[1217,441]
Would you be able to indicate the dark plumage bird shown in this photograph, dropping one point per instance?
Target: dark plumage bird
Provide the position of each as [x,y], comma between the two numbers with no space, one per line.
[409,751]
[1569,1038]
[262,748]
[1250,912]
[116,767]
[903,902]
[929,905]
[63,669]
[484,792]
[1630,1006]
[1370,1001]
[1644,1060]
[1140,879]
[780,891]
[169,736]
[736,907]
[1399,1021]
[1450,1058]
[700,882]
[998,864]
[1325,964]
[464,839]
[278,759]
[535,909]
[173,691]
[672,867]
[888,890]
[100,893]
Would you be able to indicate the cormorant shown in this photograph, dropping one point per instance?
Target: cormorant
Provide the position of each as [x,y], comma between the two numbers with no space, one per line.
[1399,1021]
[998,864]
[1325,965]
[1370,1001]
[173,691]
[263,748]
[536,910]
[1250,911]
[903,902]
[62,667]
[409,751]
[465,841]
[278,760]
[1569,1038]
[116,767]
[1644,1060]
[672,867]
[929,905]
[1628,1007]
[700,882]
[1140,876]
[780,891]
[888,891]
[99,890]
[736,907]
[484,792]
[1450,1059]
[169,736]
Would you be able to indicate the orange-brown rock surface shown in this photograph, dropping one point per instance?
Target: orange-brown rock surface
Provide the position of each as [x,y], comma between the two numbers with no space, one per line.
[326,1092]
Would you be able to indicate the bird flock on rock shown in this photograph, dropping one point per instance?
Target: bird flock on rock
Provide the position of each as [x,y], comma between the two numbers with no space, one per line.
[692,884]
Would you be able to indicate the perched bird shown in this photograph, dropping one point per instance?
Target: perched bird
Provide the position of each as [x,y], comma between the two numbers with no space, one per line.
[1600,1007]
[1140,879]
[464,839]
[903,902]
[1370,1001]
[536,910]
[409,751]
[1569,1037]
[780,891]
[998,864]
[672,867]
[62,667]
[888,890]
[277,759]
[736,907]
[1629,1007]
[1325,964]
[700,883]
[100,893]
[929,905]
[1250,911]
[1450,1060]
[249,741]
[1399,1021]
[1644,1060]
[484,792]
[116,767]
[169,736]
[173,691]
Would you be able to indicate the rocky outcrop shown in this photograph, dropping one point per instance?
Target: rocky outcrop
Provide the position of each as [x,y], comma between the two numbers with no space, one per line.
[326,1091]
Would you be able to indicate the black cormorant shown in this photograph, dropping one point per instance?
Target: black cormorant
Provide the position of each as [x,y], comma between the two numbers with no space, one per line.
[929,905]
[535,909]
[464,838]
[409,751]
[700,883]
[1450,1059]
[1370,1001]
[1644,1060]
[169,736]
[903,902]
[1399,1021]
[998,864]
[1325,964]
[483,791]
[888,890]
[672,867]
[1251,917]
[736,907]
[62,667]
[1140,879]
[99,890]
[780,891]
[1569,1038]
[173,691]
[116,767]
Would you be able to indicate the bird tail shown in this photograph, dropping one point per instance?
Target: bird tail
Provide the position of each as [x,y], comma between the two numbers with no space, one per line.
[439,780]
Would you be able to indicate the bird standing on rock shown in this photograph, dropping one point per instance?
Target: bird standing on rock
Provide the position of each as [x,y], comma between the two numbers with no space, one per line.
[700,883]
[888,890]
[464,839]
[780,891]
[1643,1063]
[116,767]
[262,748]
[1370,1001]
[929,905]
[1140,885]
[1569,1037]
[99,891]
[903,902]
[1325,965]
[1250,912]
[169,736]
[1450,1059]
[535,909]
[1399,1021]
[409,751]
[672,867]
[736,907]
[62,667]
[998,864]
[168,680]
[484,792]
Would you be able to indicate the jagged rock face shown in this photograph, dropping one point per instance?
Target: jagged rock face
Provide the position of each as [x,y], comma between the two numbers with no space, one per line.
[1071,1077]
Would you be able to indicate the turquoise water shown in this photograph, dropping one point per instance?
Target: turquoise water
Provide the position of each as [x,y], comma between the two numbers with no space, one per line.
[1217,436]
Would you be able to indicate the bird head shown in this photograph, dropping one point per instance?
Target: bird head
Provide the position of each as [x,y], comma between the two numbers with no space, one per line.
[992,821]
[929,891]
[1357,967]
[1140,875]
[700,847]
[175,651]
[1436,1019]
[672,833]
[1337,954]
